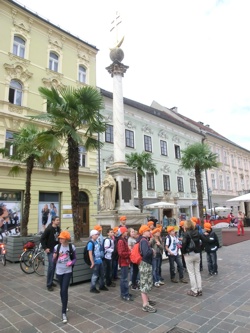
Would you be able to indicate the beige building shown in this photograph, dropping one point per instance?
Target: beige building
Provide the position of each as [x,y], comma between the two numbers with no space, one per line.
[34,53]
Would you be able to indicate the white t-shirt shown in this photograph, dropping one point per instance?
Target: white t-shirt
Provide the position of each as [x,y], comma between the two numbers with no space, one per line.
[108,248]
[63,258]
[173,244]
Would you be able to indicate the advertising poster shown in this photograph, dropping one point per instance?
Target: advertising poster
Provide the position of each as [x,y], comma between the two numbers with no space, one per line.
[12,202]
[46,210]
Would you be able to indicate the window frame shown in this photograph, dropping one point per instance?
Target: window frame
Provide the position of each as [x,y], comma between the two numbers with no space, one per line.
[180,184]
[18,48]
[9,143]
[150,181]
[177,152]
[164,148]
[53,62]
[15,92]
[82,156]
[192,185]
[82,74]
[148,143]
[129,141]
[109,136]
[166,183]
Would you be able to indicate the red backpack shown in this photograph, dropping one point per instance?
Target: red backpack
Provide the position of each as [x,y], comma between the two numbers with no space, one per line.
[135,255]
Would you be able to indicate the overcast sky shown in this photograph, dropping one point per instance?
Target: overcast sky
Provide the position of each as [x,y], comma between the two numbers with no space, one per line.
[192,54]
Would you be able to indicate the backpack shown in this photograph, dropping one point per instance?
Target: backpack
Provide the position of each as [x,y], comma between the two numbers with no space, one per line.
[86,253]
[70,252]
[135,255]
[191,246]
[167,237]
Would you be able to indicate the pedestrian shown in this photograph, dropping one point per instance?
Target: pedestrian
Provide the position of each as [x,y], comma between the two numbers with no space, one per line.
[100,238]
[196,222]
[191,253]
[49,240]
[65,258]
[123,221]
[180,237]
[94,250]
[156,244]
[173,255]
[151,226]
[145,269]
[134,269]
[211,244]
[240,225]
[108,245]
[124,262]
[115,254]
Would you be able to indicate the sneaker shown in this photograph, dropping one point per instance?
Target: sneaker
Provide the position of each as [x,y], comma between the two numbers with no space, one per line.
[130,283]
[54,284]
[64,318]
[104,288]
[199,292]
[215,273]
[183,281]
[127,298]
[157,284]
[211,274]
[134,288]
[148,308]
[192,293]
[50,288]
[161,283]
[174,280]
[152,303]
[94,290]
[67,309]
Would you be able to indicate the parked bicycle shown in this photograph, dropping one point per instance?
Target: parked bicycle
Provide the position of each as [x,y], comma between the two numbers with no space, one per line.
[2,251]
[32,259]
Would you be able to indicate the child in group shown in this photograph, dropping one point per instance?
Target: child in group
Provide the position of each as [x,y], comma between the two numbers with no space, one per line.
[108,245]
[145,269]
[151,226]
[115,256]
[173,255]
[96,263]
[156,244]
[134,269]
[124,262]
[211,244]
[180,237]
[65,258]
[100,238]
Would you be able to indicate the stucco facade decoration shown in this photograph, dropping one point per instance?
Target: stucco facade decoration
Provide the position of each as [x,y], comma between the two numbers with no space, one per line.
[34,53]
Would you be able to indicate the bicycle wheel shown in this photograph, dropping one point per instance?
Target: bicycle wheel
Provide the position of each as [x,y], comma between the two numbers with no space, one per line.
[26,261]
[39,263]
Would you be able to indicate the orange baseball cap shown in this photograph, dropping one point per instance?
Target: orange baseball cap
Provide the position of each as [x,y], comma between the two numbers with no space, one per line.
[143,228]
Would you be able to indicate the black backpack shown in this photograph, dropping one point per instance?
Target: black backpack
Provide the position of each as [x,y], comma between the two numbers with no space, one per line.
[167,237]
[70,252]
[86,253]
[104,252]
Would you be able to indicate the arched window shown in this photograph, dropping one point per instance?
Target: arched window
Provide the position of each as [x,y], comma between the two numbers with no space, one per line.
[15,92]
[53,61]
[19,47]
[82,74]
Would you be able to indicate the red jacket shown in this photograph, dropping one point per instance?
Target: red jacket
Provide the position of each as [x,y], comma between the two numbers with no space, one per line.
[123,252]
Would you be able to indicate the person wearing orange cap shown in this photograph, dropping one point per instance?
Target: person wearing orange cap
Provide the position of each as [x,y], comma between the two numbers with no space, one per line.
[123,220]
[48,241]
[115,254]
[173,255]
[156,244]
[211,244]
[145,269]
[100,238]
[65,258]
[180,237]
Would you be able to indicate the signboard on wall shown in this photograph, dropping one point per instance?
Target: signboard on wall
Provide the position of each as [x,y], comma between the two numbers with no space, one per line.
[13,202]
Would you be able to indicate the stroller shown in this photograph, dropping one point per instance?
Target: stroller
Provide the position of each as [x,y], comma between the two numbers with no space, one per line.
[233,223]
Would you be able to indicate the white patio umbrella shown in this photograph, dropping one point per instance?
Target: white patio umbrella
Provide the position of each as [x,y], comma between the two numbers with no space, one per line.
[244,197]
[161,205]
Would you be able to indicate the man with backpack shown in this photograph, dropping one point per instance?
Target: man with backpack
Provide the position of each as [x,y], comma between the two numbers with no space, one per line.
[94,251]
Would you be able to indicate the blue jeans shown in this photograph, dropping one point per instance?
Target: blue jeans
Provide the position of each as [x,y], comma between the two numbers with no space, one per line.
[115,268]
[156,262]
[124,281]
[51,269]
[212,262]
[177,260]
[98,273]
[64,281]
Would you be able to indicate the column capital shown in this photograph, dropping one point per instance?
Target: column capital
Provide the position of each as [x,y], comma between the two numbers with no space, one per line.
[117,68]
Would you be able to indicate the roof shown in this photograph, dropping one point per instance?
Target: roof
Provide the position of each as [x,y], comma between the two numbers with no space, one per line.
[16,3]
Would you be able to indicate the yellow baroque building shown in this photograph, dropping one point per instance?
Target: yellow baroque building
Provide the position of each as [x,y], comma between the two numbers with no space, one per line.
[34,53]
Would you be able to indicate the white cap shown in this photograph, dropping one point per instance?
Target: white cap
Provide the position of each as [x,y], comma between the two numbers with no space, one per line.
[94,232]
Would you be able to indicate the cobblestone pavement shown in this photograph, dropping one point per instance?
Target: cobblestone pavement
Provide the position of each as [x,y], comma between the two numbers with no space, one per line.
[26,306]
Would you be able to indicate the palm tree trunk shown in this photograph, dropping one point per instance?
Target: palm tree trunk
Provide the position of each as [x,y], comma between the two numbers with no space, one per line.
[73,160]
[27,196]
[140,199]
[200,195]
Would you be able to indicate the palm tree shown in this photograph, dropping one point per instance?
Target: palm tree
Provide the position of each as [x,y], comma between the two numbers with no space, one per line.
[70,110]
[141,163]
[199,157]
[30,151]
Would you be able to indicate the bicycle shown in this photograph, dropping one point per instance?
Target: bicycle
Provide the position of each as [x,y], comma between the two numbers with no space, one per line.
[32,258]
[2,251]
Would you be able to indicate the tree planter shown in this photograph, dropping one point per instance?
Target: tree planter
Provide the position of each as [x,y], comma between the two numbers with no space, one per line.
[14,246]
[81,271]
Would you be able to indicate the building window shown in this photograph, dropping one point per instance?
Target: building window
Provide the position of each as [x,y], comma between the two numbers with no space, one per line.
[53,61]
[15,92]
[221,183]
[9,143]
[166,183]
[82,156]
[239,163]
[177,151]
[228,183]
[129,138]
[19,47]
[235,184]
[163,148]
[213,181]
[109,134]
[218,154]
[225,158]
[147,143]
[180,184]
[192,186]
[232,160]
[82,74]
[150,181]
